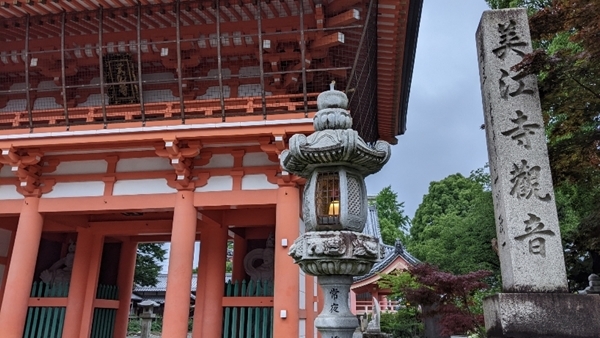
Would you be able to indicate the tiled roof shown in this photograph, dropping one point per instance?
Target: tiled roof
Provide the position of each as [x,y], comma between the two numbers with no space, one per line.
[162,284]
[391,251]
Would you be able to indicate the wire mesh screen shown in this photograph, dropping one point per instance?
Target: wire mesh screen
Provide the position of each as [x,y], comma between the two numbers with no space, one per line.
[186,60]
[363,84]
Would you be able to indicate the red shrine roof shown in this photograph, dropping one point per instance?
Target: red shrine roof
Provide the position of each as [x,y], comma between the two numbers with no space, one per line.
[396,34]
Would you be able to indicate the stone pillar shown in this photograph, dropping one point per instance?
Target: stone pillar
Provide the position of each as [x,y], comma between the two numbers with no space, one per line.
[336,320]
[181,258]
[215,280]
[20,275]
[529,242]
[287,274]
[125,284]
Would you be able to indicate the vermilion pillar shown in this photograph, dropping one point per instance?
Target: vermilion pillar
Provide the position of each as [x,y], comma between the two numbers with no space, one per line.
[310,300]
[78,283]
[125,284]
[201,284]
[20,275]
[181,258]
[215,279]
[239,252]
[93,271]
[353,301]
[287,274]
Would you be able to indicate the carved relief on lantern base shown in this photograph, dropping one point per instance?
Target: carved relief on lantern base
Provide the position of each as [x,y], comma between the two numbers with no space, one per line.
[336,253]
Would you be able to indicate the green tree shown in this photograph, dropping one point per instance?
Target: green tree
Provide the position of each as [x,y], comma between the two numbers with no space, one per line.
[392,221]
[147,263]
[454,226]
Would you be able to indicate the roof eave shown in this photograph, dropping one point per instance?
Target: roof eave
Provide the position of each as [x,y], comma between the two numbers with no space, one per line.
[414,18]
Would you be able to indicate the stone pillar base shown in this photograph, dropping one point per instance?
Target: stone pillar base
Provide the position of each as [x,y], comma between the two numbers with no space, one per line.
[542,315]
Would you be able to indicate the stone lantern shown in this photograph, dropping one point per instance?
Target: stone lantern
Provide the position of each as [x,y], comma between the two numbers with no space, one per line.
[335,161]
[147,316]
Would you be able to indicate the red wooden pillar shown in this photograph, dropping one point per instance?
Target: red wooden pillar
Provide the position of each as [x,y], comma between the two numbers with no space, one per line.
[239,252]
[20,275]
[7,262]
[125,284]
[181,259]
[93,271]
[201,284]
[215,279]
[287,274]
[353,301]
[310,301]
[79,283]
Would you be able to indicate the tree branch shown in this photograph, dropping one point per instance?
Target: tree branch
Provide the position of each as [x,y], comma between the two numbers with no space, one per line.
[584,86]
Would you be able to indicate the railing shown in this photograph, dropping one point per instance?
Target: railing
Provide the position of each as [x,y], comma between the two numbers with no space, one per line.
[248,309]
[194,109]
[105,312]
[43,320]
[366,306]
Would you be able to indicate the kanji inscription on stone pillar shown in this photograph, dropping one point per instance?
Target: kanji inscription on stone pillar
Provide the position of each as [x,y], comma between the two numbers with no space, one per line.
[529,243]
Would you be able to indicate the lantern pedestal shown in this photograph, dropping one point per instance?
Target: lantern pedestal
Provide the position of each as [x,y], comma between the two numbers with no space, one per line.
[336,319]
[336,256]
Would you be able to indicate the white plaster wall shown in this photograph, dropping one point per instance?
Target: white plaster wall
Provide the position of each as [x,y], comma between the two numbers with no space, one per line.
[302,290]
[213,93]
[217,183]
[14,105]
[142,187]
[252,71]
[220,161]
[159,95]
[76,189]
[45,103]
[302,328]
[81,167]
[47,86]
[9,192]
[6,171]
[5,236]
[143,164]
[257,182]
[94,100]
[158,76]
[256,159]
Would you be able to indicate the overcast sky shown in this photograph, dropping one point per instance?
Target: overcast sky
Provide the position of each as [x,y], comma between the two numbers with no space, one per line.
[445,112]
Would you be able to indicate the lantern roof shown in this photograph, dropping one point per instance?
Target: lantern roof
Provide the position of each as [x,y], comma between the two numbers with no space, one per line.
[333,143]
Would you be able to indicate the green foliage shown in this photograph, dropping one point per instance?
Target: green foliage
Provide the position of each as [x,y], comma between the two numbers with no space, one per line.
[530,4]
[147,263]
[455,298]
[403,323]
[454,225]
[157,324]
[392,221]
[134,326]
